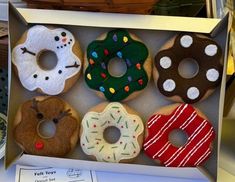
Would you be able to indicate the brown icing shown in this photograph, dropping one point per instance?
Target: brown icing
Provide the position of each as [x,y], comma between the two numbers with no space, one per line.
[33,112]
[196,51]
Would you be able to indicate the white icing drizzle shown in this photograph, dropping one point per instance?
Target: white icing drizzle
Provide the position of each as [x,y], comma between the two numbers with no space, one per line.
[39,38]
[211,50]
[94,124]
[186,41]
[193,93]
[169,85]
[212,75]
[165,62]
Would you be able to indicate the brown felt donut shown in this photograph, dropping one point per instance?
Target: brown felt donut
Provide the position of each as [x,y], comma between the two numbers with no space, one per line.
[33,76]
[208,55]
[34,112]
[106,115]
[147,66]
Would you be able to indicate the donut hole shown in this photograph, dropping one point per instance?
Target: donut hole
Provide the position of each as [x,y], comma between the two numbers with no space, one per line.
[188,68]
[46,129]
[111,134]
[47,60]
[178,137]
[117,67]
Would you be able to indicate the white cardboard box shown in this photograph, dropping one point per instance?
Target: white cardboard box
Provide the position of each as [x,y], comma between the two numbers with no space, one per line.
[154,31]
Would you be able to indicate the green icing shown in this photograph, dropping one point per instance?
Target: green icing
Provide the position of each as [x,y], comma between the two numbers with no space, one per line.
[117,43]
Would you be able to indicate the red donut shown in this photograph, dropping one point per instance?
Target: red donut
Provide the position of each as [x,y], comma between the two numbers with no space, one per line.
[198,129]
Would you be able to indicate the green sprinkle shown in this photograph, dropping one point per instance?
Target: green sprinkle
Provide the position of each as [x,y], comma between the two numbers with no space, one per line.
[137,127]
[115,107]
[87,124]
[101,148]
[98,139]
[125,135]
[125,153]
[124,146]
[95,118]
[112,116]
[126,125]
[133,145]
[114,156]
[114,147]
[87,139]
[94,132]
[119,119]
[90,147]
[104,123]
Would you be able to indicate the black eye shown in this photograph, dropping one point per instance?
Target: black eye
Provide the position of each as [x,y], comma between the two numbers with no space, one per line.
[63,34]
[57,38]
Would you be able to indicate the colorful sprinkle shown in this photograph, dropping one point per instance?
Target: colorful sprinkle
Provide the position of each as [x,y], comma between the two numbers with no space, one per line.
[88,76]
[125,39]
[106,52]
[39,145]
[103,75]
[94,54]
[138,66]
[91,61]
[140,81]
[127,88]
[115,38]
[112,90]
[102,89]
[128,62]
[103,65]
[129,78]
[119,54]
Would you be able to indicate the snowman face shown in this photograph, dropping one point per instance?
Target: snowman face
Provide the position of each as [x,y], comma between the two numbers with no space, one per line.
[63,38]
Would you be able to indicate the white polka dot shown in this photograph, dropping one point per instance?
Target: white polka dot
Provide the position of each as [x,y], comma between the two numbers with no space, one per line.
[169,85]
[193,93]
[211,50]
[212,75]
[186,41]
[165,62]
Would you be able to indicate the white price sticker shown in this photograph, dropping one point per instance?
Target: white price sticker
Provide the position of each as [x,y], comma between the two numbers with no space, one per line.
[48,174]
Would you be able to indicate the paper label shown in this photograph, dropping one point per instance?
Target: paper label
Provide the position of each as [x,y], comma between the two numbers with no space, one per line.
[48,174]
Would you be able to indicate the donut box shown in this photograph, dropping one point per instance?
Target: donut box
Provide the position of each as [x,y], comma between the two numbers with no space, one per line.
[154,31]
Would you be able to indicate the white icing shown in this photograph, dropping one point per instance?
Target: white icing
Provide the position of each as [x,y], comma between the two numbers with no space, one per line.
[212,75]
[193,93]
[186,41]
[93,143]
[211,50]
[41,38]
[165,62]
[169,85]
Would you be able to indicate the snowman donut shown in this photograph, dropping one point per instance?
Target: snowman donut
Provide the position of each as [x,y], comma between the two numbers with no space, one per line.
[208,56]
[25,57]
[103,116]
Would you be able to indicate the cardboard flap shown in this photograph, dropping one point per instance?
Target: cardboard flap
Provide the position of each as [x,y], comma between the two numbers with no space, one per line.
[148,22]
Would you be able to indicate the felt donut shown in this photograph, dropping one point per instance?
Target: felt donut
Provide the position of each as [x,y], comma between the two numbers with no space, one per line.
[121,44]
[33,113]
[127,146]
[184,117]
[208,56]
[33,76]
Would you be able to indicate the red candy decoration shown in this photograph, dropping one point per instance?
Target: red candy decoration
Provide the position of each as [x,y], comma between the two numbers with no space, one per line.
[140,81]
[198,146]
[126,88]
[39,145]
[138,66]
[106,52]
[91,61]
[103,75]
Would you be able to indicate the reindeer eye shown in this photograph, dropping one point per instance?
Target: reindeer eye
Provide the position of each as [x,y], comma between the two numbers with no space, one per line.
[39,115]
[57,38]
[63,34]
[55,120]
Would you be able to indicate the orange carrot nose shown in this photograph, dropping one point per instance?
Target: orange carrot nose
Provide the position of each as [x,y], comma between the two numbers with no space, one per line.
[64,39]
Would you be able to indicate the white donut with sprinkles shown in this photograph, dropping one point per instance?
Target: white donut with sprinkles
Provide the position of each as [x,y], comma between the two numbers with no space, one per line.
[25,56]
[131,128]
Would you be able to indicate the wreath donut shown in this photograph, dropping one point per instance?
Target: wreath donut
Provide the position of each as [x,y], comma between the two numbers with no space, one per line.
[117,43]
[208,55]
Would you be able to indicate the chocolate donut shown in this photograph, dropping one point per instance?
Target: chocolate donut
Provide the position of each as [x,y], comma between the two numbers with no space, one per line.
[207,54]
